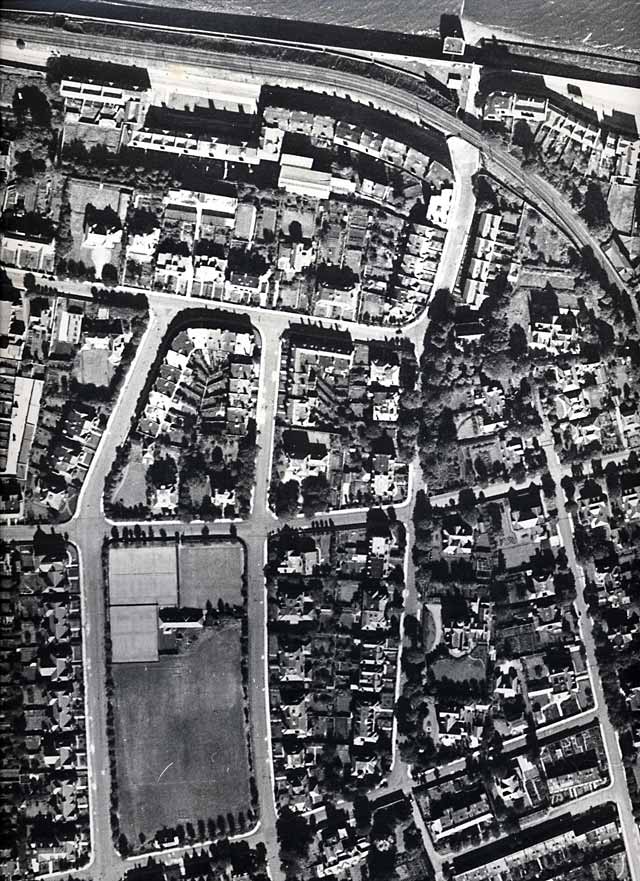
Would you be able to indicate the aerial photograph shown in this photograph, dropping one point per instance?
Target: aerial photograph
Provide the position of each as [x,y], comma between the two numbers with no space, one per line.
[319,440]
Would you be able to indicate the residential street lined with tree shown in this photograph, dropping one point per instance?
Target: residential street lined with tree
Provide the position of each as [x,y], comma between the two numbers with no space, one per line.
[90,527]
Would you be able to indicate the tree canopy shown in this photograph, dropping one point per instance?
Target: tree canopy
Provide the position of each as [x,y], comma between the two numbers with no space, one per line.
[595,211]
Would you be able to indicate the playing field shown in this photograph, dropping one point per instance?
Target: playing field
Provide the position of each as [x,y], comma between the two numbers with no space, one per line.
[143,575]
[211,572]
[180,741]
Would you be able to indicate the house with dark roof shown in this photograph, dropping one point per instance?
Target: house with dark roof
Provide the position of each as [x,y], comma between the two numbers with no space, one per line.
[526,506]
[298,445]
[100,77]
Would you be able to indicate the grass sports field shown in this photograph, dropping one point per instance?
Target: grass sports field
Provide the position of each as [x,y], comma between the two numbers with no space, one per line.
[211,572]
[181,750]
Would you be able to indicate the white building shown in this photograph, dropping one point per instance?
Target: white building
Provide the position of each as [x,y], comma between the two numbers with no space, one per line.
[305,182]
[439,207]
[70,327]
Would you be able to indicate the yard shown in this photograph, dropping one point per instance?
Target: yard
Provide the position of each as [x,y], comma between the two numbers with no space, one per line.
[621,202]
[100,195]
[94,367]
[181,752]
[459,669]
[91,135]
[211,572]
[303,216]
[541,241]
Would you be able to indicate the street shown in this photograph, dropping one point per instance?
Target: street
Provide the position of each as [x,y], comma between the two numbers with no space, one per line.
[88,527]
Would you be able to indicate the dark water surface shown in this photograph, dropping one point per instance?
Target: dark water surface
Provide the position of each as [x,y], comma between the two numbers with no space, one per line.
[613,23]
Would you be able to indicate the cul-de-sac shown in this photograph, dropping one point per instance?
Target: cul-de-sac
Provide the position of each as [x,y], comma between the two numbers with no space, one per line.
[320,451]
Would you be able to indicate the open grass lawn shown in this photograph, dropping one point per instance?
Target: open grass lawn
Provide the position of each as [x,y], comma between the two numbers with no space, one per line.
[90,135]
[621,203]
[548,240]
[211,572]
[460,669]
[431,625]
[94,367]
[132,489]
[180,743]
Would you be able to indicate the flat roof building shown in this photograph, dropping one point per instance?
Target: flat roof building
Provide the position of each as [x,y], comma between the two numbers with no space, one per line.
[225,94]
[24,418]
[305,182]
[30,254]
[70,327]
[86,71]
[453,46]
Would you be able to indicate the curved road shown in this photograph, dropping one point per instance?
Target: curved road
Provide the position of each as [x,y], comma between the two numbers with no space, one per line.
[366,90]
[88,527]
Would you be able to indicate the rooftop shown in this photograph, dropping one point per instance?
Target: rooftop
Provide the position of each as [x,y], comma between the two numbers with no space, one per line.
[224,125]
[105,73]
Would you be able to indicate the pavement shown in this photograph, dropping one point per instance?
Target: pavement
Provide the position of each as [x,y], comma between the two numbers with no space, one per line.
[88,526]
[465,159]
[618,789]
[341,83]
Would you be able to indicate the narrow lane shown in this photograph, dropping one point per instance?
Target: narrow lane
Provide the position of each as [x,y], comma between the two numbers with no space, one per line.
[88,526]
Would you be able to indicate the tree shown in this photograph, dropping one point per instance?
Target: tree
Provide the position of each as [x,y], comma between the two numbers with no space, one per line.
[523,137]
[595,211]
[441,307]
[576,196]
[382,858]
[612,475]
[467,499]
[548,485]
[606,334]
[163,472]
[109,275]
[316,494]
[293,831]
[27,165]
[481,469]
[285,498]
[518,472]
[569,487]
[30,100]
[343,278]
[362,810]
[486,199]
[142,222]
[517,342]
[447,431]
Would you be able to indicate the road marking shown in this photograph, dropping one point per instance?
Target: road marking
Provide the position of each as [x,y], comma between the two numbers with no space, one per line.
[164,772]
